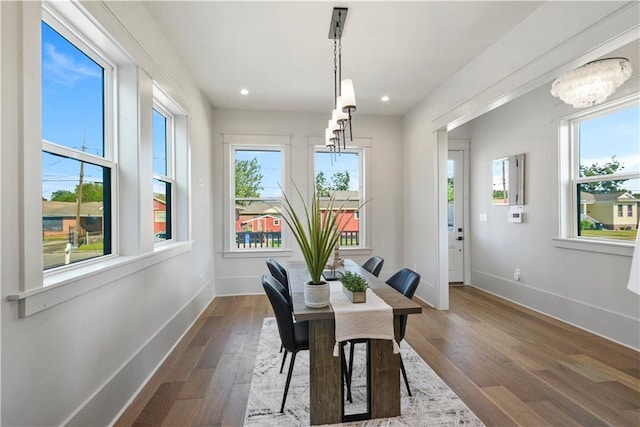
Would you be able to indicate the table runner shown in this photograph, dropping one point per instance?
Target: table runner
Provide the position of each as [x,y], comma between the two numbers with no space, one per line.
[372,320]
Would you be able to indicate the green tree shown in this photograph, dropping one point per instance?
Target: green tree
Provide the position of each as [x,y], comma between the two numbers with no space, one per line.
[450,189]
[63,196]
[340,181]
[608,168]
[91,192]
[322,185]
[248,178]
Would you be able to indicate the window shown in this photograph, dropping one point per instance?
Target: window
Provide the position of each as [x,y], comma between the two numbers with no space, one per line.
[77,163]
[340,175]
[257,181]
[605,172]
[162,128]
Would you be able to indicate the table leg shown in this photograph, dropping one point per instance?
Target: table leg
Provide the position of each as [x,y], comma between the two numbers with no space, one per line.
[325,375]
[385,379]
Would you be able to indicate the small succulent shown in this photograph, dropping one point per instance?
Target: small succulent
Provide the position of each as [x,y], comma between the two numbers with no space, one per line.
[353,281]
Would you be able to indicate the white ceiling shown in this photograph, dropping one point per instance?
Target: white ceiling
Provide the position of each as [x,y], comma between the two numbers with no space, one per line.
[281,53]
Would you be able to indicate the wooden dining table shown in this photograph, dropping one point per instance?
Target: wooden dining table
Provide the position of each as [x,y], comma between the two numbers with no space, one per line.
[326,397]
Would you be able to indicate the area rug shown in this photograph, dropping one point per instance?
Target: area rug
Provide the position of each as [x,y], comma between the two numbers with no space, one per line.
[433,403]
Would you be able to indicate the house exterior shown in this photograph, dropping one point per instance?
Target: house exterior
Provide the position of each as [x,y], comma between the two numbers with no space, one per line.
[615,211]
[159,216]
[59,218]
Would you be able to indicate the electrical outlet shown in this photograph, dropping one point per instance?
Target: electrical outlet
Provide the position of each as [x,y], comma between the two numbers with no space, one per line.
[516,274]
[201,277]
[483,217]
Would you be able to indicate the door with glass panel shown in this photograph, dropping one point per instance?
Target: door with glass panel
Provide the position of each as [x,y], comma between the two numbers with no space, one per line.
[455,215]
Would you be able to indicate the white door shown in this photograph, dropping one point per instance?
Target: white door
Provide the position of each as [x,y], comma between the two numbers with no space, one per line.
[455,215]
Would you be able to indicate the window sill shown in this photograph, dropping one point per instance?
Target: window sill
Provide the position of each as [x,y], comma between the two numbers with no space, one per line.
[612,248]
[62,286]
[258,253]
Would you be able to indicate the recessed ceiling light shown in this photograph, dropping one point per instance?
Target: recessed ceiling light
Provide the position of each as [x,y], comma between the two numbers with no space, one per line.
[385,98]
[244,92]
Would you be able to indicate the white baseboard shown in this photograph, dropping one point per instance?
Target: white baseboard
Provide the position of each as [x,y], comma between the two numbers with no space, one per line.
[616,327]
[117,392]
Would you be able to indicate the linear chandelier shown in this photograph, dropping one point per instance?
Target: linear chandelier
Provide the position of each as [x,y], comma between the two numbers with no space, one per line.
[592,83]
[344,100]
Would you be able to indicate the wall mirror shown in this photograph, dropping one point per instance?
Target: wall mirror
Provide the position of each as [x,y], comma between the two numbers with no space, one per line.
[508,180]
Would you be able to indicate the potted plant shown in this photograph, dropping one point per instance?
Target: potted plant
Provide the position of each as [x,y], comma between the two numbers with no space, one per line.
[354,286]
[317,232]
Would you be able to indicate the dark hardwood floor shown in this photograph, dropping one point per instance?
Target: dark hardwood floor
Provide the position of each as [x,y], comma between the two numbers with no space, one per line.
[510,365]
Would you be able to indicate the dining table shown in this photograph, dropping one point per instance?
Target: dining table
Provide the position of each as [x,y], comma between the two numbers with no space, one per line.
[326,391]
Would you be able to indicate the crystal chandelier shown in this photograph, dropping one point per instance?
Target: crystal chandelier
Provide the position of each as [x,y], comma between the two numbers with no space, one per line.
[592,83]
[344,95]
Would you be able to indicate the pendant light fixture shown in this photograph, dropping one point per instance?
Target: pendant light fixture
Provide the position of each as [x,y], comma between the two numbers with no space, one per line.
[344,99]
[592,83]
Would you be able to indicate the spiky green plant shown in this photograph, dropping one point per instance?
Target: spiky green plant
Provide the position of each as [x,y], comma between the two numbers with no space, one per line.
[316,234]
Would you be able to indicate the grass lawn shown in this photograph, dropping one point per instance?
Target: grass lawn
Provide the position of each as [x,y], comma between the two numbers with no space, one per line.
[97,246]
[610,234]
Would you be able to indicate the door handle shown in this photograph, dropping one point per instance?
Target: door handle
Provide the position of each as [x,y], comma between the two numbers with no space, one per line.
[460,238]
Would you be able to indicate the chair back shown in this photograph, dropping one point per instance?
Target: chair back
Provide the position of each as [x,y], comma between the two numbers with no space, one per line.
[279,272]
[406,282]
[373,265]
[281,309]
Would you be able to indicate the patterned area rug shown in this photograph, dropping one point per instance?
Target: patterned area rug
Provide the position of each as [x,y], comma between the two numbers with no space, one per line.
[433,403]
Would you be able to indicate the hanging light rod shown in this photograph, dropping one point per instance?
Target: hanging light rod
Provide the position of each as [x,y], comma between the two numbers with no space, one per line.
[338,18]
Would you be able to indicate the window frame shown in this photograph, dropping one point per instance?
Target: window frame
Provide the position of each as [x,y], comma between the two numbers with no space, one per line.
[108,159]
[243,141]
[361,147]
[169,178]
[569,179]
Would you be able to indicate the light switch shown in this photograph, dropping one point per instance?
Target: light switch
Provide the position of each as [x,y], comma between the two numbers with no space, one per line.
[483,217]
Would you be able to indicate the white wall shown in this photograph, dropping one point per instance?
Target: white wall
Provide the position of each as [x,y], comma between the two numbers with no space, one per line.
[555,38]
[80,361]
[584,288]
[242,275]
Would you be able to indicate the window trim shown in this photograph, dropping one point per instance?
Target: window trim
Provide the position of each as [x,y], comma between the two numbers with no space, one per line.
[568,174]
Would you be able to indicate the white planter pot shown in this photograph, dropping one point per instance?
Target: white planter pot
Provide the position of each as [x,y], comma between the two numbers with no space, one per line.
[316,296]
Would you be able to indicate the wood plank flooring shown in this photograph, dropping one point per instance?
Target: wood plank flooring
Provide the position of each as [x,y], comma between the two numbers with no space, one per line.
[510,365]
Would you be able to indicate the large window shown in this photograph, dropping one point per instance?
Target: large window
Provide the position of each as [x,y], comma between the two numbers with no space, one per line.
[77,162]
[162,174]
[605,172]
[257,182]
[340,176]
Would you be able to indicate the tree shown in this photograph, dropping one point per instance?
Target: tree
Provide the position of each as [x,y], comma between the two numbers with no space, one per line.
[450,189]
[248,178]
[609,168]
[64,196]
[340,181]
[322,186]
[91,192]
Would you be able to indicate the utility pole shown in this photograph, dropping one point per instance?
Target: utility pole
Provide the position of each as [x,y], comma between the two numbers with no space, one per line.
[76,233]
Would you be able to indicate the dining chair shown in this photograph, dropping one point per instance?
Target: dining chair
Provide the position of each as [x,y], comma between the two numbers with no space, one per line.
[279,272]
[373,265]
[406,282]
[294,335]
[278,286]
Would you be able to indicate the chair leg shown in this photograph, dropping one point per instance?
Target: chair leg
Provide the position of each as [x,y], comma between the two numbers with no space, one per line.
[404,374]
[286,387]
[281,347]
[347,377]
[350,370]
[284,358]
